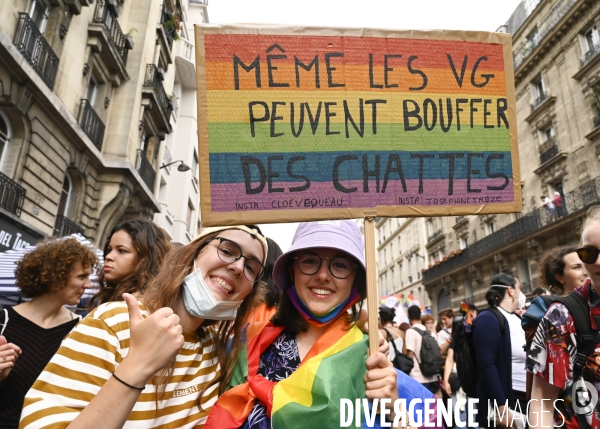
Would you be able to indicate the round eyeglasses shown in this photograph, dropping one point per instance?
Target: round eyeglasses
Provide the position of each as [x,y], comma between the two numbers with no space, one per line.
[340,268]
[230,252]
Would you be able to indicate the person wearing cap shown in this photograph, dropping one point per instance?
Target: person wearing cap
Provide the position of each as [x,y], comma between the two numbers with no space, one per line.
[155,362]
[295,369]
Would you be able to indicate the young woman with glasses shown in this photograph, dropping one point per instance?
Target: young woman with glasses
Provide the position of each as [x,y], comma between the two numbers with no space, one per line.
[155,362]
[295,368]
[554,349]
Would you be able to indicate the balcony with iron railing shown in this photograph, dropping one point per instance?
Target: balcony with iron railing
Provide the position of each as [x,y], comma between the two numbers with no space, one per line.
[65,226]
[108,19]
[548,154]
[36,50]
[538,101]
[590,54]
[575,201]
[153,88]
[91,124]
[169,24]
[12,195]
[146,170]
[546,25]
[435,235]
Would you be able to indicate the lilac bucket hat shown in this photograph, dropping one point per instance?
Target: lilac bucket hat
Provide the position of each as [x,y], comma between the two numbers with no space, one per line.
[337,234]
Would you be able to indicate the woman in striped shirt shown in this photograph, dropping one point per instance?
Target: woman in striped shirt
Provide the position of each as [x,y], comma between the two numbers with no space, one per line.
[154,363]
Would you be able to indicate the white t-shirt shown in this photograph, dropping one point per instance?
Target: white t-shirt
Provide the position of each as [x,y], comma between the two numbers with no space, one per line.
[517,341]
[443,336]
[413,343]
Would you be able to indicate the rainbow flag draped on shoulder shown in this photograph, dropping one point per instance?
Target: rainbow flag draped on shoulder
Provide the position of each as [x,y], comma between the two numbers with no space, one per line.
[333,369]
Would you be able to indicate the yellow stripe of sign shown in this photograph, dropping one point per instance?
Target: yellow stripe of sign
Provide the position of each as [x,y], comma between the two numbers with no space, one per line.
[236,106]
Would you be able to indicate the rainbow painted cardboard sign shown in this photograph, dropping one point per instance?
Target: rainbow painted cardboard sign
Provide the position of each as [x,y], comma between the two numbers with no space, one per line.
[313,123]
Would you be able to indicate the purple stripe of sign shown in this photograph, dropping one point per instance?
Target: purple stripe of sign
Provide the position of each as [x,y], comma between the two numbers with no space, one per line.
[232,197]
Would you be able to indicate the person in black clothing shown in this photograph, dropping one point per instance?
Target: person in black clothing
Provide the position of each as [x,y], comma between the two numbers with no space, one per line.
[55,274]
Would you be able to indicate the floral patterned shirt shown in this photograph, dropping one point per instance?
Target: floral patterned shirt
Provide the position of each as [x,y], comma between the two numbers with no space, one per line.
[277,363]
[553,351]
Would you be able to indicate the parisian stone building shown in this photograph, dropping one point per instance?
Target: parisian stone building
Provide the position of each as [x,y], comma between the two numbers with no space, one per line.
[557,79]
[91,93]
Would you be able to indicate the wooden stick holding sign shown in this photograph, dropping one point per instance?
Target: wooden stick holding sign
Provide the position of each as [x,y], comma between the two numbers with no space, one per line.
[372,294]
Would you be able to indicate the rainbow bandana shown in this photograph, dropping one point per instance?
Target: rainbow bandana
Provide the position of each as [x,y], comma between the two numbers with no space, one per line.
[333,369]
[320,320]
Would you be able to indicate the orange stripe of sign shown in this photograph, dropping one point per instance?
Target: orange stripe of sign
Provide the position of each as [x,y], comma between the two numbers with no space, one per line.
[431,53]
[220,76]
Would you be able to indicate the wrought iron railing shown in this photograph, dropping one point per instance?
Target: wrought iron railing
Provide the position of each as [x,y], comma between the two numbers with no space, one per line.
[146,171]
[91,124]
[153,81]
[36,50]
[549,154]
[12,195]
[168,22]
[546,25]
[591,53]
[435,235]
[536,103]
[581,198]
[103,15]
[65,226]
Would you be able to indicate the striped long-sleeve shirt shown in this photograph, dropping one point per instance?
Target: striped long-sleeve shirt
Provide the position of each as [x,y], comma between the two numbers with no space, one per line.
[89,355]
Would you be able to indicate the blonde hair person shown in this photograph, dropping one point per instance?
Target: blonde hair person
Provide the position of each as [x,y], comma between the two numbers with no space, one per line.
[155,362]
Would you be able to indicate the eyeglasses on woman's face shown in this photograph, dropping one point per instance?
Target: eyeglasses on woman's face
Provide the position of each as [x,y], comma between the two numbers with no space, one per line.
[339,267]
[588,255]
[230,252]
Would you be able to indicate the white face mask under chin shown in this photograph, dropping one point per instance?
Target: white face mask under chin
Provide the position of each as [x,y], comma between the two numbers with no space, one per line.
[200,302]
[521,300]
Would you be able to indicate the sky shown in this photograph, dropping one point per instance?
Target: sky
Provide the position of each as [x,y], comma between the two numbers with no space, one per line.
[473,15]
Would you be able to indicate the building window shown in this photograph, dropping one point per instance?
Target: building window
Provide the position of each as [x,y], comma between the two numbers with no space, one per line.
[92,91]
[385,256]
[524,273]
[65,197]
[589,39]
[416,232]
[392,249]
[39,11]
[548,133]
[490,228]
[195,165]
[5,135]
[189,217]
[408,239]
[538,88]
[468,284]
[400,243]
[533,39]
[463,243]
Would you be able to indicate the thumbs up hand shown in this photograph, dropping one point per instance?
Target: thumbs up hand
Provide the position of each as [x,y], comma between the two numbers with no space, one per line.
[8,356]
[154,341]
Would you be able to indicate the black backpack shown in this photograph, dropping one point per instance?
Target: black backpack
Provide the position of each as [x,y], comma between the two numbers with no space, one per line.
[464,352]
[401,361]
[430,360]
[586,338]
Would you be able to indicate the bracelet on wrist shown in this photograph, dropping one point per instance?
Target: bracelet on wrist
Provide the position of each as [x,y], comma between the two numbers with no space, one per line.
[141,389]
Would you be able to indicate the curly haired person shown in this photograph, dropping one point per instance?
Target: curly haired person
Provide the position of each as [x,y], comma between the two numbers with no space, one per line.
[53,275]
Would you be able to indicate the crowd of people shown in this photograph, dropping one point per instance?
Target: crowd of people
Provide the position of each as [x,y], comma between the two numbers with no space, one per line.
[231,332]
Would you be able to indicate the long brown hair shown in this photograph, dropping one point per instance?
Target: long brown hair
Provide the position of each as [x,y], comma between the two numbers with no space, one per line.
[151,244]
[165,291]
